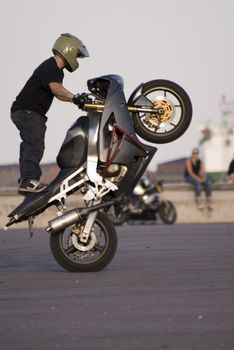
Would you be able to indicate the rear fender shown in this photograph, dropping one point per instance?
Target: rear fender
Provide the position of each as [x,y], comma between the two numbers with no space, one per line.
[137,97]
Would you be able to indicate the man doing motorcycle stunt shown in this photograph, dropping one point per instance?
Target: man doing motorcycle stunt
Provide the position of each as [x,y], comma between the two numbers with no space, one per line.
[102,160]
[28,111]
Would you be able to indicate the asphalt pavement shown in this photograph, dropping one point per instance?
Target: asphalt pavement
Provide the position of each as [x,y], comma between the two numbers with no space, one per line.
[168,287]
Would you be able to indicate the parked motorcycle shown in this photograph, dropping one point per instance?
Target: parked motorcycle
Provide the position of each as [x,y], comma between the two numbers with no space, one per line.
[146,203]
[102,159]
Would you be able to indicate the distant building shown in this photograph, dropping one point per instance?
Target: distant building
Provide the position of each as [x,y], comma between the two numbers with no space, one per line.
[172,171]
[9,174]
[217,141]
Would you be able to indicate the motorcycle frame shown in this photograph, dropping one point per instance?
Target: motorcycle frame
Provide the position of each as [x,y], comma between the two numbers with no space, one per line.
[98,151]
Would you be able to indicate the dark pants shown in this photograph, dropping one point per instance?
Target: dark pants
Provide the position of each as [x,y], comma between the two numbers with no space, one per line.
[32,128]
[198,186]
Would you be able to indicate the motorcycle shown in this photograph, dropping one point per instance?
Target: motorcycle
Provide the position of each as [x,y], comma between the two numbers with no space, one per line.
[102,159]
[146,203]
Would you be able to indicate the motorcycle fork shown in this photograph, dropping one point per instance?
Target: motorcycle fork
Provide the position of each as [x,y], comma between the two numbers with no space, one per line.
[89,223]
[88,227]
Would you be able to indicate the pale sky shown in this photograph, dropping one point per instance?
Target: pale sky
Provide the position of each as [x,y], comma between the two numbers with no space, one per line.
[186,41]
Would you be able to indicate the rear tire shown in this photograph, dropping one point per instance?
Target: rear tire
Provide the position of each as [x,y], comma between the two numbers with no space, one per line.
[103,243]
[167,213]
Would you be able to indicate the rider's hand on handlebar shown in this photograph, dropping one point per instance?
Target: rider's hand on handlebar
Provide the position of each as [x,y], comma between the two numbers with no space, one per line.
[80,100]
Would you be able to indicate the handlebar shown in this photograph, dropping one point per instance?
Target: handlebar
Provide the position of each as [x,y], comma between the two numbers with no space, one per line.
[99,107]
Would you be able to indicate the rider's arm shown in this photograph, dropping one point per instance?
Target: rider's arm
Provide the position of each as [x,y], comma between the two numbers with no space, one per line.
[59,91]
[202,171]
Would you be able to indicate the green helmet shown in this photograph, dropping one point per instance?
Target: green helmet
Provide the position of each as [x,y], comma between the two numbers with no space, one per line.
[69,48]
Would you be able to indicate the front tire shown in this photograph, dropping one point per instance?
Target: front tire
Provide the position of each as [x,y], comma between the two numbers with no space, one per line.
[175,106]
[94,256]
[167,213]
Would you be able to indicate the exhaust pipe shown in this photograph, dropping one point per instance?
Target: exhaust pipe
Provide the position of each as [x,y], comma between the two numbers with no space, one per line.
[73,216]
[60,223]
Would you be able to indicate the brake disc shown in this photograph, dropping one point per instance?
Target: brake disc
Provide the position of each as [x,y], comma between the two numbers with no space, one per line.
[74,239]
[165,112]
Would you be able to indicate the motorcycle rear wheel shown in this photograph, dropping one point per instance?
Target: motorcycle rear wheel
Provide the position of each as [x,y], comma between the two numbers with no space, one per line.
[103,245]
[176,108]
[167,213]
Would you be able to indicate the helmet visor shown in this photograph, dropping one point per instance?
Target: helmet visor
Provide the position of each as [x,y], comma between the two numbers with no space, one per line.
[82,52]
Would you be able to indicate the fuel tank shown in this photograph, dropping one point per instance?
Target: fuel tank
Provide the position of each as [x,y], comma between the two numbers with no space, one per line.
[73,151]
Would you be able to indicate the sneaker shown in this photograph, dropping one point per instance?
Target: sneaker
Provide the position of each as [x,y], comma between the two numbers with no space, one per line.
[199,204]
[210,204]
[30,185]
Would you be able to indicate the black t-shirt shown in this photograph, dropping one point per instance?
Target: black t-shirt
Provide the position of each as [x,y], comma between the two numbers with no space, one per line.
[36,94]
[195,166]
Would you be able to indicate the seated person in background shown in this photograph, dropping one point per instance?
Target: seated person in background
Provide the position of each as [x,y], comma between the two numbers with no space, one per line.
[195,175]
[230,173]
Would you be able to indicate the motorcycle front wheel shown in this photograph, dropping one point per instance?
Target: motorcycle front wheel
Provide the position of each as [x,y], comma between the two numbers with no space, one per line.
[167,213]
[96,254]
[173,111]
